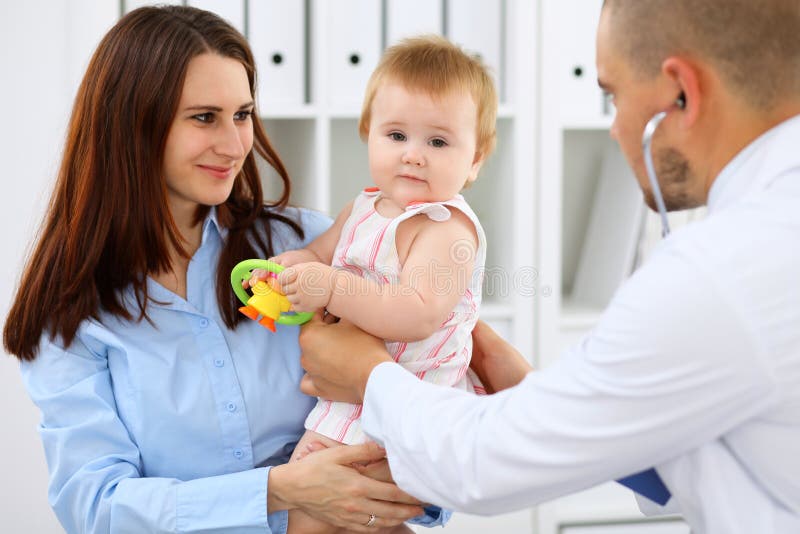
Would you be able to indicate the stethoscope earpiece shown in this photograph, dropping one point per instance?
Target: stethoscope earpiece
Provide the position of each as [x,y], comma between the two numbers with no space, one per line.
[681,101]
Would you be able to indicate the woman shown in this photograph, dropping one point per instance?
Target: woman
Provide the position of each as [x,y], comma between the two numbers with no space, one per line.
[162,410]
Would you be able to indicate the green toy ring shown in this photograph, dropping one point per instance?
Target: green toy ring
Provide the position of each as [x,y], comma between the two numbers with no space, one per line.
[241,273]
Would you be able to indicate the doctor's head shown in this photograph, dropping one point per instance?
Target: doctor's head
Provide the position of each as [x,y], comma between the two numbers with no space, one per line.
[725,70]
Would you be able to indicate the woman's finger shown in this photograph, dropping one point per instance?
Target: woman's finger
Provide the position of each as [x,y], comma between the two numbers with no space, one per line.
[362,453]
[386,515]
[376,470]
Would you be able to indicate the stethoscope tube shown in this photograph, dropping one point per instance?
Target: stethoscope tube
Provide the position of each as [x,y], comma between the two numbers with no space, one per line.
[647,149]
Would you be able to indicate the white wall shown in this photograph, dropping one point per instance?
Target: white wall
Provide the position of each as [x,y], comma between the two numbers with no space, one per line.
[38,85]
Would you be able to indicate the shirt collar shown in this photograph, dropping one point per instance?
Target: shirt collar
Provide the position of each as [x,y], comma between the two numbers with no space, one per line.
[757,165]
[211,224]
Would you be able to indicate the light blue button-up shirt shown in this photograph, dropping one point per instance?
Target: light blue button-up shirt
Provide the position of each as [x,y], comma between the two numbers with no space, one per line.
[172,426]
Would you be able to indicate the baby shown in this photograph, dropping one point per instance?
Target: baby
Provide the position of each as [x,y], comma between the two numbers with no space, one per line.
[404,260]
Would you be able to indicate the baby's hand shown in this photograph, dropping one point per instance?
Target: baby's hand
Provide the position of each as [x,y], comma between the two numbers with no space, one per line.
[293,257]
[308,286]
[256,275]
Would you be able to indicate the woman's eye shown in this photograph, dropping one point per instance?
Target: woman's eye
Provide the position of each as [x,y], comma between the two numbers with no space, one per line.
[204,117]
[397,136]
[243,115]
[438,143]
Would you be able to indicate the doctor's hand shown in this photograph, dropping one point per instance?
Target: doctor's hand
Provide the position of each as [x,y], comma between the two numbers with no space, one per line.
[498,364]
[339,358]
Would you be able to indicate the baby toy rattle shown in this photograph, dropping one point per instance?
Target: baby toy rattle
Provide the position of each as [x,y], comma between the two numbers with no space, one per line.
[267,300]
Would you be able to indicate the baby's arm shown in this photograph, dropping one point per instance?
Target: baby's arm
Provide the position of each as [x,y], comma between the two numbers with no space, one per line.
[318,251]
[436,272]
[322,248]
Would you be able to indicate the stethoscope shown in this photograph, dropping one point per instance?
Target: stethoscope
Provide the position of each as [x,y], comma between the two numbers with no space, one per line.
[647,142]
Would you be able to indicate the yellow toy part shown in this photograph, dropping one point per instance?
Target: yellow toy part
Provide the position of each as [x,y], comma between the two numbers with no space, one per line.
[268,301]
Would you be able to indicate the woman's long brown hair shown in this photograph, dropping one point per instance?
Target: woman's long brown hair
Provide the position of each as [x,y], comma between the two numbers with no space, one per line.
[108,224]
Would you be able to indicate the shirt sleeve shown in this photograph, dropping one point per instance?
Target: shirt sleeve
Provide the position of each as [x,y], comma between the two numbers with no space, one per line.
[433,517]
[671,365]
[96,483]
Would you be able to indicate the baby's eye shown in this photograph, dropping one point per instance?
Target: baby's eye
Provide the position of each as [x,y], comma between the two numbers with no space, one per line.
[397,136]
[204,117]
[438,142]
[243,115]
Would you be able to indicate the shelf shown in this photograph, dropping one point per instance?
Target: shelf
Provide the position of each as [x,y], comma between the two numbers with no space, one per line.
[593,123]
[504,111]
[291,112]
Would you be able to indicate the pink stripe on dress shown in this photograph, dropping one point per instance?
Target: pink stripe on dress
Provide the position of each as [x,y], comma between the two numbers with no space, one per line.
[356,413]
[435,351]
[349,243]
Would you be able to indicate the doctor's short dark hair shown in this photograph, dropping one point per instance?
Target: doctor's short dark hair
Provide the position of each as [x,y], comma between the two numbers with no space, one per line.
[755,44]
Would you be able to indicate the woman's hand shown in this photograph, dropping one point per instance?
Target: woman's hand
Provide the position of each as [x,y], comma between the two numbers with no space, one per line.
[495,361]
[339,358]
[325,485]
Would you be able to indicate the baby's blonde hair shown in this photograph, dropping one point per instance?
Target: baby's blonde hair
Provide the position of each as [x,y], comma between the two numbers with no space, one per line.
[435,66]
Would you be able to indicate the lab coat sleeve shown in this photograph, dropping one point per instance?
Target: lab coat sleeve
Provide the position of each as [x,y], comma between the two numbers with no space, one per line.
[96,483]
[671,365]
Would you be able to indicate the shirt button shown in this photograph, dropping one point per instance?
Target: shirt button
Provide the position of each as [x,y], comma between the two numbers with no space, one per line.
[203,322]
[219,362]
[231,407]
[238,453]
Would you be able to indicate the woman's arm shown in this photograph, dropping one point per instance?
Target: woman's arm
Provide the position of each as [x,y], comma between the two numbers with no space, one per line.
[498,364]
[99,483]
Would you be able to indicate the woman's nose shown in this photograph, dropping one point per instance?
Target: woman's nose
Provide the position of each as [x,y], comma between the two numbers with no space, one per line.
[229,142]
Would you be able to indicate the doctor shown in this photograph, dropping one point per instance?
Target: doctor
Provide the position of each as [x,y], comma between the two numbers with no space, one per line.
[694,368]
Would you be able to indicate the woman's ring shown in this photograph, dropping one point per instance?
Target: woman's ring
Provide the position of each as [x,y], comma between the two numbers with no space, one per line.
[371,521]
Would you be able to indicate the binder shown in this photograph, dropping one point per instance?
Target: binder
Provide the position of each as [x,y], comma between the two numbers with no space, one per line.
[582,103]
[277,34]
[406,18]
[609,249]
[130,5]
[230,10]
[477,25]
[353,47]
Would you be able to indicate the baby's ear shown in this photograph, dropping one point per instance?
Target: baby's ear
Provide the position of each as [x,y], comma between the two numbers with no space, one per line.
[475,168]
